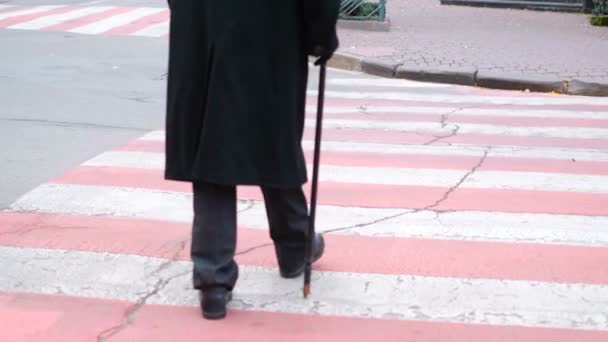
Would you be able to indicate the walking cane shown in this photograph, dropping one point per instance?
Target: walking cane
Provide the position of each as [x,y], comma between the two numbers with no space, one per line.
[315,181]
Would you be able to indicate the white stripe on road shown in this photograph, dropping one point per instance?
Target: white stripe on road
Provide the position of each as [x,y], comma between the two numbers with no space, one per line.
[436,128]
[446,150]
[138,203]
[534,181]
[384,82]
[50,20]
[456,112]
[138,160]
[381,109]
[107,24]
[548,114]
[29,10]
[156,30]
[445,98]
[463,150]
[153,136]
[465,225]
[458,300]
[123,202]
[576,230]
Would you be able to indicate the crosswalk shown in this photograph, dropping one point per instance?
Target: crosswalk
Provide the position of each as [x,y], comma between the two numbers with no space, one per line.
[450,213]
[432,234]
[94,20]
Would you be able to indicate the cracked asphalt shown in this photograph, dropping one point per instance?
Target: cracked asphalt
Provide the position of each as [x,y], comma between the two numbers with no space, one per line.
[450,213]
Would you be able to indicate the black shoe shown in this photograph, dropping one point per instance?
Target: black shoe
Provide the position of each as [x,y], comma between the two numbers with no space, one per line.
[317,253]
[213,302]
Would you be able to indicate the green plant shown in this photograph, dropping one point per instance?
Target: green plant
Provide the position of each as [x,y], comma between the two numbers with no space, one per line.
[599,20]
[366,9]
[600,13]
[363,9]
[600,7]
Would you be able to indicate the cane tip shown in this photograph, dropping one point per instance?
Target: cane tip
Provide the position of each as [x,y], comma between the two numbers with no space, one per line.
[306,291]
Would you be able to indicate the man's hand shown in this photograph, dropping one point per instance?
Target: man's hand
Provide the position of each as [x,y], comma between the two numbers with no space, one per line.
[320,18]
[323,54]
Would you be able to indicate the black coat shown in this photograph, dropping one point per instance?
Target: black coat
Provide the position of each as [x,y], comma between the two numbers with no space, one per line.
[237,88]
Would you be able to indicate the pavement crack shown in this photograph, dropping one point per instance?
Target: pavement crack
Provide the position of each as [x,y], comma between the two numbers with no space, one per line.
[130,314]
[250,205]
[73,124]
[242,304]
[396,69]
[429,207]
[253,249]
[445,117]
[464,178]
[161,77]
[444,123]
[140,99]
[370,223]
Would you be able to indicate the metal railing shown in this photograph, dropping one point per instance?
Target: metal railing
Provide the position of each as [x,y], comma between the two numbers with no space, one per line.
[363,10]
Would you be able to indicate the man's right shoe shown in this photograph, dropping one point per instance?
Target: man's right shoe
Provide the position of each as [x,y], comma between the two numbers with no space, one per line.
[213,302]
[317,253]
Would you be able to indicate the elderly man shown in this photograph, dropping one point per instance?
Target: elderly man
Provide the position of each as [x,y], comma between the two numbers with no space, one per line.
[235,116]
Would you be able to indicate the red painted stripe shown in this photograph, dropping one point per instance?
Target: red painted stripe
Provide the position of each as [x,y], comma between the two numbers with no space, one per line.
[387,137]
[139,24]
[407,138]
[29,17]
[32,317]
[312,100]
[422,161]
[267,326]
[373,195]
[473,119]
[422,257]
[63,318]
[88,19]
[139,145]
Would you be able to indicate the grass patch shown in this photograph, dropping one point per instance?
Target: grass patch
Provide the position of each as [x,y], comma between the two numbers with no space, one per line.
[599,20]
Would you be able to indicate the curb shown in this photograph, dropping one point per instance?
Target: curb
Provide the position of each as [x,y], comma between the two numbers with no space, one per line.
[554,6]
[468,76]
[366,25]
[577,87]
[496,80]
[462,76]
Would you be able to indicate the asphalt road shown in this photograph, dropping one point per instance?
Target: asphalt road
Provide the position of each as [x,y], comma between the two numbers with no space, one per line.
[66,97]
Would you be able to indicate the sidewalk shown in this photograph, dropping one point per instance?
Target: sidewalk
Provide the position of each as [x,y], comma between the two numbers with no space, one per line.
[493,48]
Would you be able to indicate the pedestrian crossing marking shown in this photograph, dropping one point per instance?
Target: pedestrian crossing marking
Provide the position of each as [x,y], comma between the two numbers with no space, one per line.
[447,213]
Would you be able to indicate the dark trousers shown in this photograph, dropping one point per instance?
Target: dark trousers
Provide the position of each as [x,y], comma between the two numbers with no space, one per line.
[214,231]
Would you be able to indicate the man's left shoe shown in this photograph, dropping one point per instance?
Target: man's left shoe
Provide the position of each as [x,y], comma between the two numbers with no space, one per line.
[213,302]
[317,252]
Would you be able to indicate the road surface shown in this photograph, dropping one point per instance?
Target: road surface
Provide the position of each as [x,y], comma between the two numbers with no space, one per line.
[450,213]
